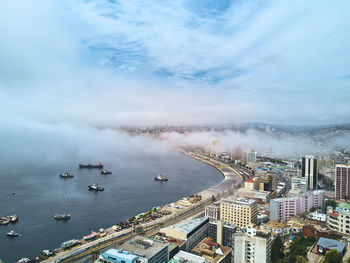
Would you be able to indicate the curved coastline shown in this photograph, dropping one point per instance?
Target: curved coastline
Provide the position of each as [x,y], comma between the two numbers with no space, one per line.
[230,181]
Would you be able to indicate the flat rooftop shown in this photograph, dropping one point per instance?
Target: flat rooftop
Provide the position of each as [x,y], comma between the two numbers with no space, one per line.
[238,200]
[188,225]
[142,246]
[119,254]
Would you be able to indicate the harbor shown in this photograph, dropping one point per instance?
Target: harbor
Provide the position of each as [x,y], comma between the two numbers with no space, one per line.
[132,189]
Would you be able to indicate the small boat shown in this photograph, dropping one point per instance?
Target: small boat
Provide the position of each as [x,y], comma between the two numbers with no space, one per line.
[23,260]
[160,178]
[70,243]
[4,221]
[13,234]
[91,236]
[63,217]
[66,175]
[13,219]
[104,171]
[91,165]
[96,187]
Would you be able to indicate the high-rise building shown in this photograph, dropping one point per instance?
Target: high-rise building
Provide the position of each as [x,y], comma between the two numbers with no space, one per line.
[252,246]
[213,211]
[236,154]
[309,170]
[239,211]
[299,183]
[222,233]
[281,209]
[251,157]
[339,219]
[342,181]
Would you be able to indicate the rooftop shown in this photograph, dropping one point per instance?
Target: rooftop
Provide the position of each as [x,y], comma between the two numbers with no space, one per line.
[238,200]
[331,244]
[183,256]
[187,226]
[344,205]
[144,247]
[119,254]
[211,250]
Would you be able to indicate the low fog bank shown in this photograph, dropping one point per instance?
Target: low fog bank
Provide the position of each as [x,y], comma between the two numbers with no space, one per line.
[42,143]
[285,146]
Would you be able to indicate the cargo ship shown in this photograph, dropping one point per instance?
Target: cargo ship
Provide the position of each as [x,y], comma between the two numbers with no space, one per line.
[91,165]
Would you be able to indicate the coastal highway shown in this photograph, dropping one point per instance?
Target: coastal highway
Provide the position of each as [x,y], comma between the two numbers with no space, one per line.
[95,247]
[92,249]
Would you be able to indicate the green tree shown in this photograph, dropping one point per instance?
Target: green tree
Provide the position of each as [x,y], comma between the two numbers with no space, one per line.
[332,256]
[277,250]
[301,259]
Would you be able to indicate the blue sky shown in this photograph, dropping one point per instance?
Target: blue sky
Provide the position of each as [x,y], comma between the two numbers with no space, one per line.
[134,62]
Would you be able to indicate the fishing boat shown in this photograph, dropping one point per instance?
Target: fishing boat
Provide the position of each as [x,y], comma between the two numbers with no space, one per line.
[70,243]
[91,236]
[95,187]
[13,234]
[104,171]
[160,178]
[66,175]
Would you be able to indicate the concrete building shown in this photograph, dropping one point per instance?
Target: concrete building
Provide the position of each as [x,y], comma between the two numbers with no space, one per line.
[339,219]
[236,154]
[309,170]
[185,257]
[252,184]
[238,211]
[326,244]
[258,195]
[281,209]
[299,183]
[342,181]
[316,215]
[118,256]
[251,157]
[155,251]
[252,247]
[213,211]
[212,251]
[222,233]
[192,231]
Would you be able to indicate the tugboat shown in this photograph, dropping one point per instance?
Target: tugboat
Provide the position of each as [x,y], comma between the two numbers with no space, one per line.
[66,175]
[63,217]
[160,178]
[13,219]
[91,236]
[96,187]
[91,165]
[13,234]
[104,171]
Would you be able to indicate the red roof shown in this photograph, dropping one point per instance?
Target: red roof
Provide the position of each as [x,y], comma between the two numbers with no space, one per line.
[251,180]
[334,214]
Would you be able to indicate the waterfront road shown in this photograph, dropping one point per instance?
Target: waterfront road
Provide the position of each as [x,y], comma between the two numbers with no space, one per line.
[92,249]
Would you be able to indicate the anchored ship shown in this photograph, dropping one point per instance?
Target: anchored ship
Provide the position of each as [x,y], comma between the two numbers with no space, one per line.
[96,187]
[13,234]
[91,165]
[66,175]
[62,217]
[70,243]
[160,178]
[104,171]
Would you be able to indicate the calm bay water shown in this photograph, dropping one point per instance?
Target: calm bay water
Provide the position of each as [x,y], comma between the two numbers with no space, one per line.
[130,190]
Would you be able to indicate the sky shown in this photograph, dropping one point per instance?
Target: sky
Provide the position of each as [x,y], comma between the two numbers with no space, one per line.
[110,63]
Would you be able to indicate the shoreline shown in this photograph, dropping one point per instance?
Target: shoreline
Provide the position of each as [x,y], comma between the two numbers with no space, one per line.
[231,179]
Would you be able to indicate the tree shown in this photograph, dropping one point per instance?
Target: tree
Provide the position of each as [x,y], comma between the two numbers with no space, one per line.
[277,250]
[332,256]
[301,259]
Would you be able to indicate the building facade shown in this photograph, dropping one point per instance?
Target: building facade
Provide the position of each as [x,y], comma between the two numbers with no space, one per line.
[254,247]
[213,211]
[342,181]
[281,209]
[222,231]
[238,211]
[309,170]
[299,183]
[339,219]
